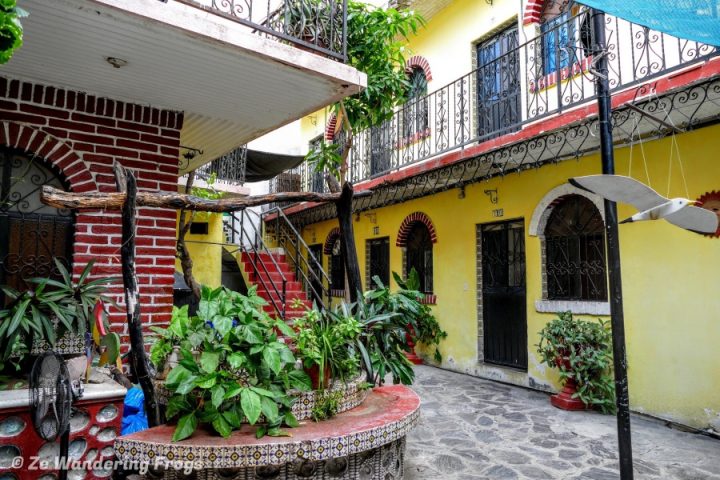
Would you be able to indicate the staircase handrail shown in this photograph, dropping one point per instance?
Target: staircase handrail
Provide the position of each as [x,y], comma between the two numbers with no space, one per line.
[300,242]
[259,246]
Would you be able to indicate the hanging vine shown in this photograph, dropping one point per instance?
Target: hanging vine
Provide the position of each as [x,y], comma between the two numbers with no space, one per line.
[11,31]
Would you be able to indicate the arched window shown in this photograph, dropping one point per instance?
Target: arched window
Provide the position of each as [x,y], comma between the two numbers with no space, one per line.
[32,234]
[415,111]
[575,251]
[419,255]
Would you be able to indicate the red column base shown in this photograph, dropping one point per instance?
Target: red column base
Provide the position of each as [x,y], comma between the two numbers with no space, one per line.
[414,359]
[564,399]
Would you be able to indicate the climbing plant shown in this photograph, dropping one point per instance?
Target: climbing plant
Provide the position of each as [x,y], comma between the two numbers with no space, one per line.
[11,31]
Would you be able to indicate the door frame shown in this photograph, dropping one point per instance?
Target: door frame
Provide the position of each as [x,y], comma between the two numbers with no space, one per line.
[493,370]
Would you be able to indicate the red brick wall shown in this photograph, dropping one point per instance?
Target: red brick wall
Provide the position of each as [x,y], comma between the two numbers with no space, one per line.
[81,136]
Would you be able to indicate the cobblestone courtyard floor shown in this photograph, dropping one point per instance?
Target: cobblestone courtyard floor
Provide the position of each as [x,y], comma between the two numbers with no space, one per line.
[476,429]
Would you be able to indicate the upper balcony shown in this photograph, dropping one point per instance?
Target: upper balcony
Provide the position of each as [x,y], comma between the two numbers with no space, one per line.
[520,92]
[237,68]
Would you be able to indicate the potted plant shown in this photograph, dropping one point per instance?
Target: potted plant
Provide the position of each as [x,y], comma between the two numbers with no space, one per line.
[325,343]
[312,21]
[581,351]
[51,315]
[232,369]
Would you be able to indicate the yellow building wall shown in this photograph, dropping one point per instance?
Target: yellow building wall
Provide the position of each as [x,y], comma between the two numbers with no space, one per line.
[672,310]
[206,250]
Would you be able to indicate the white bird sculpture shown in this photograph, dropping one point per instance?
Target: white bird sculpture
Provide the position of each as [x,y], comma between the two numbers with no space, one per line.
[651,205]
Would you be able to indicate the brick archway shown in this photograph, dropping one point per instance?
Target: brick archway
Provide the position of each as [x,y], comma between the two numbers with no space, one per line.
[407,224]
[330,240]
[533,11]
[57,153]
[418,61]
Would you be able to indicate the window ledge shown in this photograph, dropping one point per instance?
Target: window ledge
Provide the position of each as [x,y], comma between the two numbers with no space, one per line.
[576,307]
[337,293]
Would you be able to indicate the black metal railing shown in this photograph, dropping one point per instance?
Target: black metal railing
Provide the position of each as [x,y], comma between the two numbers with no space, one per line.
[526,83]
[308,269]
[229,168]
[318,25]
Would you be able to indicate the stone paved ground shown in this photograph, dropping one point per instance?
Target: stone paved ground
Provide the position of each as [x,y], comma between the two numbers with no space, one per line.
[476,429]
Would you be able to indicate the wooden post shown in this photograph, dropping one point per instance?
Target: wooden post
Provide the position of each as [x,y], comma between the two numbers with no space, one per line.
[138,359]
[347,245]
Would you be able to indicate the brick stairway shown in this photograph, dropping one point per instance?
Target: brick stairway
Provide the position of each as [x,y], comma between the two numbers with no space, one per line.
[271,275]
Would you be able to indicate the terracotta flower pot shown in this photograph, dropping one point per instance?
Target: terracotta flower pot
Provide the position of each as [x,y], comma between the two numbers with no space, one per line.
[411,355]
[314,374]
[564,400]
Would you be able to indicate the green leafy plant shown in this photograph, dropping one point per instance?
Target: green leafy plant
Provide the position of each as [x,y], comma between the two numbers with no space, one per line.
[581,350]
[47,309]
[233,368]
[312,20]
[326,339]
[327,403]
[424,327]
[11,30]
[383,341]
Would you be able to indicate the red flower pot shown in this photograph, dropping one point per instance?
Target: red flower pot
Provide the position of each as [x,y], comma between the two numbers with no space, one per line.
[314,374]
[411,355]
[564,400]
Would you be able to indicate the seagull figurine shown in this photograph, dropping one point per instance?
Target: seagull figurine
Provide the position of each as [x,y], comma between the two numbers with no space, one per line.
[680,212]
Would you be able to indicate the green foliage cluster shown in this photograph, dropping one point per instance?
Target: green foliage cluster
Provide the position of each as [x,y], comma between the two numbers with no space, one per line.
[233,368]
[11,31]
[327,339]
[326,404]
[389,317]
[32,313]
[376,40]
[581,350]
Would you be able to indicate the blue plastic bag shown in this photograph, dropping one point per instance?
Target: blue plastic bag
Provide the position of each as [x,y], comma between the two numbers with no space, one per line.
[134,416]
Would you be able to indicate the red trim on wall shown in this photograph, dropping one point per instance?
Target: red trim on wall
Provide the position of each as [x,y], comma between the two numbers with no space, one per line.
[533,11]
[418,61]
[409,222]
[330,240]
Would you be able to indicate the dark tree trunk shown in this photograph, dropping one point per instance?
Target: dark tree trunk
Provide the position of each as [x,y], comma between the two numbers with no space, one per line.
[347,244]
[186,262]
[139,365]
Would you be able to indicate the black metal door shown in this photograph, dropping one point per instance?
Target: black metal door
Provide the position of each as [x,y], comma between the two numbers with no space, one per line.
[32,234]
[498,84]
[503,289]
[316,277]
[379,261]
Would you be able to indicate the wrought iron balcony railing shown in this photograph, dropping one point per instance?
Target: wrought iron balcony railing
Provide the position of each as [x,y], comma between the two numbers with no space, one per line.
[317,25]
[514,86]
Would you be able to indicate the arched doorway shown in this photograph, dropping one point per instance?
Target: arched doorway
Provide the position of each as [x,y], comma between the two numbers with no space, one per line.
[32,234]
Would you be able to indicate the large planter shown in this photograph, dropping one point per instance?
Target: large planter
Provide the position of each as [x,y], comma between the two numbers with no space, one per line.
[564,400]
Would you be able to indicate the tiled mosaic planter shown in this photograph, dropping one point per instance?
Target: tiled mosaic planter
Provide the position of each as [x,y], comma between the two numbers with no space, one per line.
[366,443]
[353,395]
[93,429]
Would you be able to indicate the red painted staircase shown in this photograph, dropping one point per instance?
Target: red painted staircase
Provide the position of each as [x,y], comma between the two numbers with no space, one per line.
[269,271]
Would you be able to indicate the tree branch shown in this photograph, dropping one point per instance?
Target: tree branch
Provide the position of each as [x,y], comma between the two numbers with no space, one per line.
[114,201]
[186,262]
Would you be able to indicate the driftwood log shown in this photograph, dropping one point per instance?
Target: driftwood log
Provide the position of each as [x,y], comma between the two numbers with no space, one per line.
[115,200]
[139,363]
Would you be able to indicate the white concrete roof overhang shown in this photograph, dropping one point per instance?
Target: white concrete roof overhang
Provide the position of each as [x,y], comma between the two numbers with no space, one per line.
[232,84]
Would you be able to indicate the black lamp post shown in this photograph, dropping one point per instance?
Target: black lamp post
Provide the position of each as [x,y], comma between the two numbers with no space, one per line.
[602,88]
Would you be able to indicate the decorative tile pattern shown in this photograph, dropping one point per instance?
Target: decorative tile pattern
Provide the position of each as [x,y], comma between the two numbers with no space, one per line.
[353,395]
[357,434]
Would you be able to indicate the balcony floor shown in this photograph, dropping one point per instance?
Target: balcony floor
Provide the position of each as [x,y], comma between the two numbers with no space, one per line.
[233,84]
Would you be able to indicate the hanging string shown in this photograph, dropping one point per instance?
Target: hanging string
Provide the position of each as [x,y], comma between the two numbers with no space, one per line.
[642,151]
[674,150]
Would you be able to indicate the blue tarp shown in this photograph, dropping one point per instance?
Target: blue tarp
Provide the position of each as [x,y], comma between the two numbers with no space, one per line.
[690,19]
